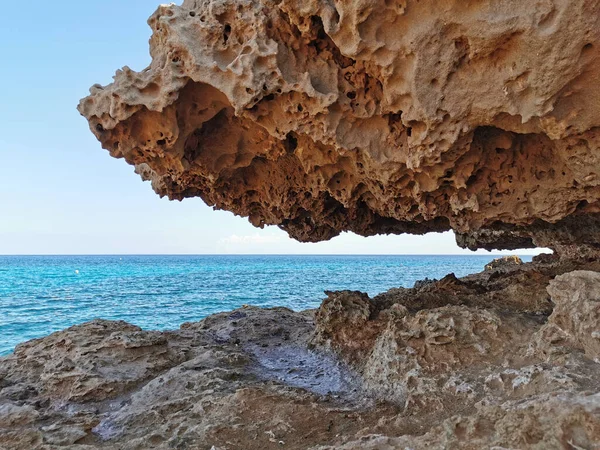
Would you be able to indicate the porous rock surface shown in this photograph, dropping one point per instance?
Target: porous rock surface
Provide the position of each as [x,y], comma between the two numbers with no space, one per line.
[508,358]
[379,116]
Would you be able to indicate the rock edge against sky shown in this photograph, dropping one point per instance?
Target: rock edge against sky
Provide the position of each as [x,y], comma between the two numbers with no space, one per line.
[371,116]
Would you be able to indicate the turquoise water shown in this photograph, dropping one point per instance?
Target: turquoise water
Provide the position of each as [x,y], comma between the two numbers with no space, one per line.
[43,294]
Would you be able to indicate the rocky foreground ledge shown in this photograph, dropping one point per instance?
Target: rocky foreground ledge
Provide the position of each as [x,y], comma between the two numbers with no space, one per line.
[508,358]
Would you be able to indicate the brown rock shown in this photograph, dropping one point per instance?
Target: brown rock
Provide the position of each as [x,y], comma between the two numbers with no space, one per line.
[244,380]
[97,360]
[542,422]
[575,320]
[12,415]
[505,261]
[492,377]
[481,117]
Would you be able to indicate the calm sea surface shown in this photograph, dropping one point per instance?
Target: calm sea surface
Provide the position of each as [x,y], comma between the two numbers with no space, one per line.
[43,294]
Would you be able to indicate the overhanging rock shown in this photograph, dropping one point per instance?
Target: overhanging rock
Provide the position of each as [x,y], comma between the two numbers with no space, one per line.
[371,116]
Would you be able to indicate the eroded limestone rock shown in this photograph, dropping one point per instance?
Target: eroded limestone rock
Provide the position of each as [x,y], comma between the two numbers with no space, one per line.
[505,261]
[575,320]
[492,376]
[95,361]
[542,422]
[242,380]
[375,117]
[470,363]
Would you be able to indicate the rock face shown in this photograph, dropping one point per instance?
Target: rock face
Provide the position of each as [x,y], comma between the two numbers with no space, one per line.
[492,378]
[238,380]
[505,261]
[371,116]
[381,116]
[508,358]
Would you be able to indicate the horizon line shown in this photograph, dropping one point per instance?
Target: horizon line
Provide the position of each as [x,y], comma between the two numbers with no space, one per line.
[264,254]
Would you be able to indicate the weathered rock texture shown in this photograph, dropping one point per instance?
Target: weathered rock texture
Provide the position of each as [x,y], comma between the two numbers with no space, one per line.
[380,116]
[375,116]
[237,380]
[508,358]
[486,374]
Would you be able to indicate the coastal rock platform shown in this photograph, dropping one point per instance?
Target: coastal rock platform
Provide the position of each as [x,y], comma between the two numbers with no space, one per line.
[375,117]
[507,358]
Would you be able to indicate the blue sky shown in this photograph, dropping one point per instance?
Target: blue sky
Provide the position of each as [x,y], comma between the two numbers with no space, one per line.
[60,193]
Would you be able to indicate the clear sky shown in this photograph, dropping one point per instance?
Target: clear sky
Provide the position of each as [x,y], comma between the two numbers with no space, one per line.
[60,193]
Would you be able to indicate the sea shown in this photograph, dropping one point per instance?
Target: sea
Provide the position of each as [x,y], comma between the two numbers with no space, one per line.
[43,294]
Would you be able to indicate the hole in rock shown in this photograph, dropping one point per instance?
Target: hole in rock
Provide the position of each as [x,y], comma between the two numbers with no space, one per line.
[394,118]
[335,17]
[206,137]
[290,143]
[226,33]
